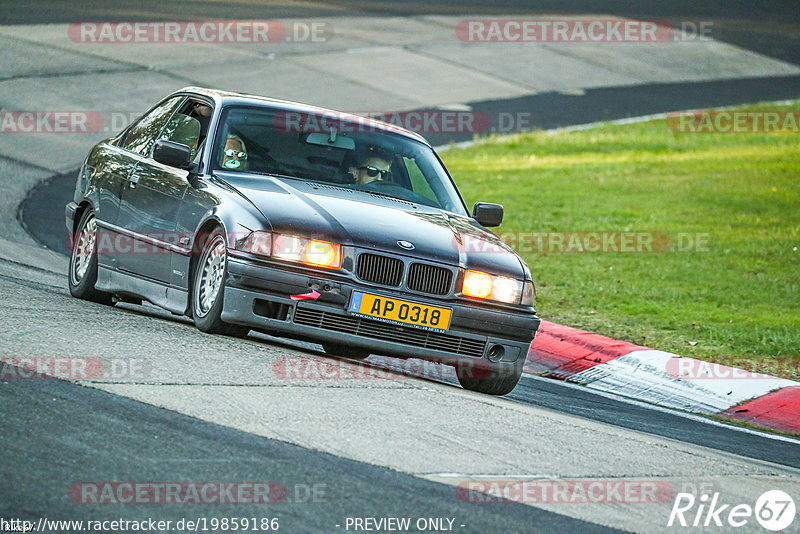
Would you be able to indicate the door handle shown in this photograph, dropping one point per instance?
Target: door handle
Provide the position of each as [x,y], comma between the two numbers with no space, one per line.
[134,180]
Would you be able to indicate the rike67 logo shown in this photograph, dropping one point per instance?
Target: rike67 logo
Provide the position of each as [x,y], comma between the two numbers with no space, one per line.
[774,510]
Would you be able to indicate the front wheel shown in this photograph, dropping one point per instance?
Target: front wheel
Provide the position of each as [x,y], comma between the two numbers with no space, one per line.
[83,261]
[489,381]
[208,288]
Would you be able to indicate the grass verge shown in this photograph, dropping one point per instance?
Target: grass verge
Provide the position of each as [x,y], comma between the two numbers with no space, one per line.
[727,286]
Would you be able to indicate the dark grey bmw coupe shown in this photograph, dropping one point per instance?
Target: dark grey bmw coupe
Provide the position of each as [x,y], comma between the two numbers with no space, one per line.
[249,213]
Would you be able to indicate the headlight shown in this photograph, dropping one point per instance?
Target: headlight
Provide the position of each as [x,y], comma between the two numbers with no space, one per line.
[528,294]
[486,286]
[290,248]
[256,243]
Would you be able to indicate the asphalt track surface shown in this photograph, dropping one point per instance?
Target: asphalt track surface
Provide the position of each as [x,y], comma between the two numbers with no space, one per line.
[143,443]
[770,28]
[58,433]
[41,214]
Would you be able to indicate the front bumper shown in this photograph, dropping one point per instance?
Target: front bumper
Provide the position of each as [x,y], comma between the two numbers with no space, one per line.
[259,296]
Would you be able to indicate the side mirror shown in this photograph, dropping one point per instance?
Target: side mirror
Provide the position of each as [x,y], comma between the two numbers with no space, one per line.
[172,154]
[488,214]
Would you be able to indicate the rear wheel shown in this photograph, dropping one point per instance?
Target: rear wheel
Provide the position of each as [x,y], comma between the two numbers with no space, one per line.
[208,288]
[83,261]
[343,351]
[490,382]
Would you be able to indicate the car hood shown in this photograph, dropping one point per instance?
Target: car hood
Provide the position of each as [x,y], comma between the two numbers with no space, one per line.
[364,220]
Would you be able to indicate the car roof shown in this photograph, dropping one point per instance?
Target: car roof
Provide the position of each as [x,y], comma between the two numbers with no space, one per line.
[226,98]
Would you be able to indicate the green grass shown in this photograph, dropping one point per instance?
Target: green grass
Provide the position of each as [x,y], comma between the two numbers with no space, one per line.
[736,302]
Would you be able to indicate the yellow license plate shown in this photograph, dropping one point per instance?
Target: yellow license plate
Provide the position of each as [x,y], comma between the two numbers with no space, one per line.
[400,311]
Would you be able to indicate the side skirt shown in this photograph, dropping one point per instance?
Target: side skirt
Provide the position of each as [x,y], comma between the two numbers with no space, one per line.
[118,282]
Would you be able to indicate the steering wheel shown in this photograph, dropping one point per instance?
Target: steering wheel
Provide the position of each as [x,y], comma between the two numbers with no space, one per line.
[383,184]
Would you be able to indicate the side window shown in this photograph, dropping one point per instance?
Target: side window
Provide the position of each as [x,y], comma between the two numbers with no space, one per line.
[141,137]
[189,125]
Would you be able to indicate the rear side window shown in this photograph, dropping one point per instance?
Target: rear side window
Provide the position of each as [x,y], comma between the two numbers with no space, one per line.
[142,135]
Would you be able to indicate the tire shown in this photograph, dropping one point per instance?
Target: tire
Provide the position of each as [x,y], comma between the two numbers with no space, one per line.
[494,383]
[208,288]
[343,351]
[82,275]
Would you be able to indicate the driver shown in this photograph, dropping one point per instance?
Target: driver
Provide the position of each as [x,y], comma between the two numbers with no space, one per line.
[372,167]
[235,153]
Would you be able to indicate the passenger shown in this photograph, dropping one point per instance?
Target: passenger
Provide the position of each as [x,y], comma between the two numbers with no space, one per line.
[235,153]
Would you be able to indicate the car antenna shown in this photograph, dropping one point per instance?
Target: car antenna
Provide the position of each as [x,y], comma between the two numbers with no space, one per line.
[332,137]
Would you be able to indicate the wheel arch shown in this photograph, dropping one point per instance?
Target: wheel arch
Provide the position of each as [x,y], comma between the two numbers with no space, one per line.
[79,211]
[76,220]
[205,227]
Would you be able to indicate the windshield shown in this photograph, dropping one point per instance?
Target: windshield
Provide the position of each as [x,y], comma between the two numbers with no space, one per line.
[325,148]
